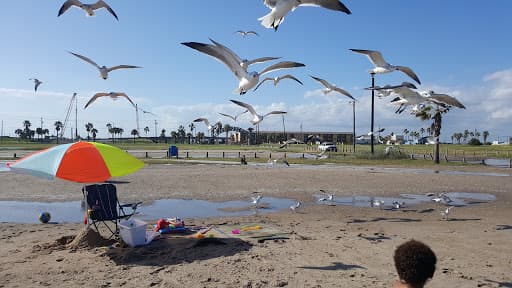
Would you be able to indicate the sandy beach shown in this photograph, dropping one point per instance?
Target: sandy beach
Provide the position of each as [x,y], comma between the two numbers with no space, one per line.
[328,246]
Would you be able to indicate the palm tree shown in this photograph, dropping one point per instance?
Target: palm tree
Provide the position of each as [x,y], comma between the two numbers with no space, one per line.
[485,134]
[181,134]
[46,132]
[422,131]
[465,135]
[200,136]
[39,132]
[134,133]
[250,129]
[94,131]
[110,130]
[227,128]
[88,128]
[18,132]
[146,130]
[58,125]
[192,127]
[406,132]
[174,136]
[457,136]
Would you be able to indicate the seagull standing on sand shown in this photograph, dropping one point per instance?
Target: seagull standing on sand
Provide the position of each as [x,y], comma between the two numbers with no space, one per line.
[277,79]
[257,118]
[398,205]
[331,87]
[329,197]
[103,69]
[235,116]
[113,95]
[376,203]
[36,83]
[272,162]
[381,66]
[295,206]
[442,198]
[210,127]
[281,7]
[88,8]
[246,33]
[246,80]
[446,212]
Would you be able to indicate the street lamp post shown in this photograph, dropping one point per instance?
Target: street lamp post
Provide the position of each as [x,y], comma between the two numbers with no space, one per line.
[373,112]
[353,125]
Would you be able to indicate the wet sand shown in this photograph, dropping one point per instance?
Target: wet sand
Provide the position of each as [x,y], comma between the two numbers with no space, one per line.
[328,246]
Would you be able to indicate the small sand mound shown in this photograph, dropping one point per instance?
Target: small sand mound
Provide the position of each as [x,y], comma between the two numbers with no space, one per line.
[89,238]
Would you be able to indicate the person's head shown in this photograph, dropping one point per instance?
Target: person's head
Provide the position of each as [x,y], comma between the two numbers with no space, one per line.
[415,263]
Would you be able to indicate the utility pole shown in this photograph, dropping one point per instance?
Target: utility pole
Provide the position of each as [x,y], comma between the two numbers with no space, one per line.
[76,118]
[373,111]
[137,118]
[156,136]
[2,132]
[354,125]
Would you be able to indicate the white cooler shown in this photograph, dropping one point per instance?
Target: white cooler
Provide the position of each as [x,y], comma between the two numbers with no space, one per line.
[133,232]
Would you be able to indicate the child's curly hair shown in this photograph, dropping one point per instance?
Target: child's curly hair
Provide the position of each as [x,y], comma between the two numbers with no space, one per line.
[415,262]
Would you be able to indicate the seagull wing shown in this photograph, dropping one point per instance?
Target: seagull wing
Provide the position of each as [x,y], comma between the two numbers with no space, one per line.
[281,65]
[288,76]
[102,4]
[246,106]
[274,112]
[122,67]
[339,90]
[325,83]
[408,71]
[374,56]
[67,5]
[270,3]
[241,113]
[328,4]
[221,54]
[229,116]
[263,81]
[37,84]
[252,32]
[447,99]
[96,96]
[227,50]
[203,120]
[261,60]
[86,59]
[126,96]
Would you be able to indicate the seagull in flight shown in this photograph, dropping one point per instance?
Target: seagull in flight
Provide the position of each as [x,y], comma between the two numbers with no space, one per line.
[381,66]
[246,33]
[442,99]
[406,96]
[331,87]
[277,79]
[103,69]
[210,127]
[145,112]
[88,8]
[36,83]
[257,118]
[113,95]
[246,80]
[279,9]
[235,116]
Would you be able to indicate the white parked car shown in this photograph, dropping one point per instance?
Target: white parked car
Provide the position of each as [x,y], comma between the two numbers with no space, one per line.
[328,146]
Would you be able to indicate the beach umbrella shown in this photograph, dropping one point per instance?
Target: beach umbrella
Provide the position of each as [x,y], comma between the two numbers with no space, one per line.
[83,162]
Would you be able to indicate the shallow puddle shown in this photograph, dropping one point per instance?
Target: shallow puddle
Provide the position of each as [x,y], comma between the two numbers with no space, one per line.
[72,211]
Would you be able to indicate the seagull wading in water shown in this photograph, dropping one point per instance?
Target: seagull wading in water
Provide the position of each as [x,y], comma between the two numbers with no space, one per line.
[113,95]
[88,8]
[331,87]
[103,69]
[381,66]
[281,7]
[257,117]
[246,80]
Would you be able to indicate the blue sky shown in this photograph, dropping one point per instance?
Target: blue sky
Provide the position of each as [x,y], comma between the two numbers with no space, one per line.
[455,47]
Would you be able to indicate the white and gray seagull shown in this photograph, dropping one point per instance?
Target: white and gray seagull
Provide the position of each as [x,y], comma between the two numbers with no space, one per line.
[406,96]
[257,117]
[442,99]
[381,66]
[256,200]
[246,33]
[113,95]
[277,79]
[331,87]
[279,9]
[210,127]
[103,69]
[446,212]
[235,116]
[246,80]
[88,8]
[295,206]
[36,83]
[329,197]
